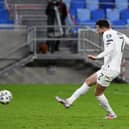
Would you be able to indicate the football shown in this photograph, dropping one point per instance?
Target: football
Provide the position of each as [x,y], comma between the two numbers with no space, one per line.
[43,48]
[5,96]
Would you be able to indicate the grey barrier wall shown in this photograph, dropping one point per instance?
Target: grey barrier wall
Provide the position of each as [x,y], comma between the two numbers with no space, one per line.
[12,44]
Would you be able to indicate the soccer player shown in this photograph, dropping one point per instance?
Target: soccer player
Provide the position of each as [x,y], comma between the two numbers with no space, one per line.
[114,43]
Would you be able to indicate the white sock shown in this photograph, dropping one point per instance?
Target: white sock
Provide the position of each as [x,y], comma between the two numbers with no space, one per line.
[80,91]
[104,103]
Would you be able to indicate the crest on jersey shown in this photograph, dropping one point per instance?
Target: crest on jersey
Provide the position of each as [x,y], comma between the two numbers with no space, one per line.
[108,36]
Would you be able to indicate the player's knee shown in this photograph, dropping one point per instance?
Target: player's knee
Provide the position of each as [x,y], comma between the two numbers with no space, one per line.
[96,93]
[88,82]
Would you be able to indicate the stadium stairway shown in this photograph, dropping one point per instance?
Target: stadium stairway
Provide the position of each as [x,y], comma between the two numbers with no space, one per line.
[30,12]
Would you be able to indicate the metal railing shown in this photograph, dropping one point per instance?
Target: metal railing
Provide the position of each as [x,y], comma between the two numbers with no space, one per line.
[89,41]
[39,34]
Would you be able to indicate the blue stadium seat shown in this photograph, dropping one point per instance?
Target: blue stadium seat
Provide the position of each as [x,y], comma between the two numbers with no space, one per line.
[75,4]
[92,4]
[113,15]
[2,6]
[6,21]
[73,12]
[97,14]
[84,17]
[78,4]
[104,4]
[125,15]
[121,4]
[118,23]
[4,17]
[4,14]
[98,9]
[83,14]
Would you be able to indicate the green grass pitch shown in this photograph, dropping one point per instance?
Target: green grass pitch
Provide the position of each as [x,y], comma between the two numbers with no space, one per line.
[34,107]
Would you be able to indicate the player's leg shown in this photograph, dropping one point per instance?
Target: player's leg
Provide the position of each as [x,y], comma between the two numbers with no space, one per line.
[80,91]
[83,89]
[102,83]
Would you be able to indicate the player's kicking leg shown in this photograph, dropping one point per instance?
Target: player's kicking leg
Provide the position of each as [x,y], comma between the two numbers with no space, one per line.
[63,102]
[110,116]
[80,91]
[69,101]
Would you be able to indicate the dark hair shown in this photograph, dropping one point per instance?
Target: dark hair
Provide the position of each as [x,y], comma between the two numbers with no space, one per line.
[103,23]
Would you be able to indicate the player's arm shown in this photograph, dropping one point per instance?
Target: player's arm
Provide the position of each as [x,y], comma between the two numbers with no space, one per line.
[93,57]
[109,45]
[102,54]
[126,40]
[106,52]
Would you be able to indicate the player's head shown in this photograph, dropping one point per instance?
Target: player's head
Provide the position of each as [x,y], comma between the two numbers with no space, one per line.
[102,25]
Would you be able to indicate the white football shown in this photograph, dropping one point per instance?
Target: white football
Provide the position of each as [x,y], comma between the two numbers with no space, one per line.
[5,96]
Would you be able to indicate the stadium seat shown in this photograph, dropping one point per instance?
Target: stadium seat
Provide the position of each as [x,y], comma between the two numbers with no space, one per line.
[75,4]
[125,15]
[4,14]
[121,5]
[84,17]
[6,21]
[4,17]
[113,14]
[72,12]
[92,4]
[118,24]
[83,14]
[2,5]
[97,14]
[114,17]
[78,4]
[104,4]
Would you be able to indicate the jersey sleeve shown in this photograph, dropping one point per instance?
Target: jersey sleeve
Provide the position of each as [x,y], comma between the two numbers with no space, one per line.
[126,39]
[108,43]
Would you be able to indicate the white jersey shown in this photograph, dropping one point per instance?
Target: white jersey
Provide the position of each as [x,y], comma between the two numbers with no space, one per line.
[114,43]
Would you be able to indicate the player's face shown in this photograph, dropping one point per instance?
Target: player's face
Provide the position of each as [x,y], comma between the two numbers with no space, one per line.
[99,30]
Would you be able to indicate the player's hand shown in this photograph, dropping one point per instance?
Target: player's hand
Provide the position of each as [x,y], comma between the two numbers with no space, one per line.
[92,57]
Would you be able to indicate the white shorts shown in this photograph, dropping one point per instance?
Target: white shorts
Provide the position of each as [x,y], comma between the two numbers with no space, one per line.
[104,77]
